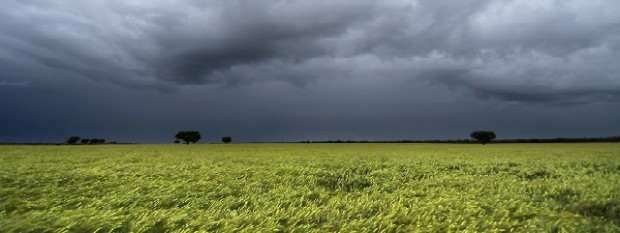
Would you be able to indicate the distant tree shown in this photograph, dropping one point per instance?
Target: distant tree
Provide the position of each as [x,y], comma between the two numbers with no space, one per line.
[73,140]
[483,136]
[85,140]
[97,141]
[188,136]
[226,139]
[176,142]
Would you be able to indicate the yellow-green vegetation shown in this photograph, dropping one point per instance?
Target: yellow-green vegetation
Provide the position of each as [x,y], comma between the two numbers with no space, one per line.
[311,188]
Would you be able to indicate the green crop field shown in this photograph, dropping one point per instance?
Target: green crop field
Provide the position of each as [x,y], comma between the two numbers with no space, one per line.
[311,188]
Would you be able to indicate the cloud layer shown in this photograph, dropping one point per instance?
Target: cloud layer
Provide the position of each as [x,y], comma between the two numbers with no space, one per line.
[548,51]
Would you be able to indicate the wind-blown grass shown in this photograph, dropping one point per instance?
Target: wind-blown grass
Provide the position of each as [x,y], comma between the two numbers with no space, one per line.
[311,187]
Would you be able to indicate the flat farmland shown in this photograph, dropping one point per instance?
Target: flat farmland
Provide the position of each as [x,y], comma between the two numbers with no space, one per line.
[311,188]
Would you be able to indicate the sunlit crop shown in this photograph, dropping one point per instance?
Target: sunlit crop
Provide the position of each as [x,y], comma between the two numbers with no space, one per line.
[311,188]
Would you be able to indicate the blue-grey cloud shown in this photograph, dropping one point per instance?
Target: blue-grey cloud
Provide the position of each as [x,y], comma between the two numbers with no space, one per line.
[522,51]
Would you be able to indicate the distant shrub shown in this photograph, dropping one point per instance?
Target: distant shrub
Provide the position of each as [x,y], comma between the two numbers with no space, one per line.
[73,140]
[97,141]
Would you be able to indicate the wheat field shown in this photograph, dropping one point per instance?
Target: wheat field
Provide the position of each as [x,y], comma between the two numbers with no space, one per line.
[311,188]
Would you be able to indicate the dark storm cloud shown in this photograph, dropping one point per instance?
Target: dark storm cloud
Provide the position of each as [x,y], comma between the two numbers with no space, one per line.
[522,51]
[14,84]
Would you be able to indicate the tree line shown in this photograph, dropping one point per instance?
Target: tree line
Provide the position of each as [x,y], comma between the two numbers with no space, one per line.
[480,136]
[486,139]
[193,137]
[76,139]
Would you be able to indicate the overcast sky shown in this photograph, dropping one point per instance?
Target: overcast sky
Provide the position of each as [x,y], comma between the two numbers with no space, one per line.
[291,70]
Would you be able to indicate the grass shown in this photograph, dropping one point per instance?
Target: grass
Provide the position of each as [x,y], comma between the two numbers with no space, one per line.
[311,188]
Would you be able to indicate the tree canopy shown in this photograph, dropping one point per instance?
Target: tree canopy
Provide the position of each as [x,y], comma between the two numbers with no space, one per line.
[188,136]
[483,136]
